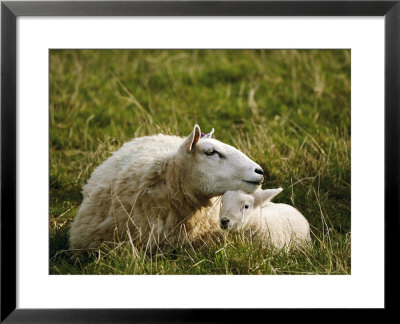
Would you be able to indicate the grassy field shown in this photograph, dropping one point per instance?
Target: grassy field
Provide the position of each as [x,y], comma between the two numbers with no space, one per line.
[288,110]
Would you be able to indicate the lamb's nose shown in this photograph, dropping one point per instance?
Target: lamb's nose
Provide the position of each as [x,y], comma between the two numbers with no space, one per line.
[224,223]
[259,171]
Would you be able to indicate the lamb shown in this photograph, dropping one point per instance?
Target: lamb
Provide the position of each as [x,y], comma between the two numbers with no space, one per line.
[160,191]
[279,224]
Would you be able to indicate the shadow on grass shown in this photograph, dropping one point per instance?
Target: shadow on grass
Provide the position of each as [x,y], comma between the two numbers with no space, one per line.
[63,258]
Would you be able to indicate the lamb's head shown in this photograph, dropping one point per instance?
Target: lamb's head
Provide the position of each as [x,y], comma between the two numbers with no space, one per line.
[213,167]
[238,206]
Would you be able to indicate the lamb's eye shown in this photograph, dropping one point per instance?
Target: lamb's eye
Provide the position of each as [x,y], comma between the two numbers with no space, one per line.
[246,206]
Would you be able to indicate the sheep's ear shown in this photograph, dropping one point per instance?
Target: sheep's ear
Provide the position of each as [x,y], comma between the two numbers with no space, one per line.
[209,135]
[191,141]
[263,196]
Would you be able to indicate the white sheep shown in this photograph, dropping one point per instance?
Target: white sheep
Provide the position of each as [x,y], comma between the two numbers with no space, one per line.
[159,191]
[279,224]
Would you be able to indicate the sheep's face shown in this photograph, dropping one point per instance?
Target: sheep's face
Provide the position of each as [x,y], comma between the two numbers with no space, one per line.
[238,206]
[215,167]
[236,209]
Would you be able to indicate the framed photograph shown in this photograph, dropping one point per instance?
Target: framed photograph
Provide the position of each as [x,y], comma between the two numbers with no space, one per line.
[155,150]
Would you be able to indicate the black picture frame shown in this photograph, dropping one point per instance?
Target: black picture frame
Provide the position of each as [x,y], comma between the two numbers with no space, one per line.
[10,10]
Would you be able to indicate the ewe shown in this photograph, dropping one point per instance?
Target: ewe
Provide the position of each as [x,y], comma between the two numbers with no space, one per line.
[278,224]
[157,191]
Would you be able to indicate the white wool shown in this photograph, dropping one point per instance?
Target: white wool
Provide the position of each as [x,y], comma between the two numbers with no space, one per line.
[279,224]
[161,190]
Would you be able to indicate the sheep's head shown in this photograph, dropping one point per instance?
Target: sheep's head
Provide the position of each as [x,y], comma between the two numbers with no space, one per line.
[214,167]
[238,206]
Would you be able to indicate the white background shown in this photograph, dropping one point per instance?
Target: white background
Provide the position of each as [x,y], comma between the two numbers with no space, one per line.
[363,288]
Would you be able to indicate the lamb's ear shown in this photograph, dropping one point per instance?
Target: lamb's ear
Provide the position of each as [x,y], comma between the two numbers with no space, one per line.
[263,196]
[209,135]
[191,141]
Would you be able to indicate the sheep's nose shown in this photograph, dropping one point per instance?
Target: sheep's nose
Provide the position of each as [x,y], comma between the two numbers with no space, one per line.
[224,223]
[259,171]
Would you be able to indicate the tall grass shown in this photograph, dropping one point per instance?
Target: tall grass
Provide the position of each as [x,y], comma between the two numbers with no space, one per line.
[289,110]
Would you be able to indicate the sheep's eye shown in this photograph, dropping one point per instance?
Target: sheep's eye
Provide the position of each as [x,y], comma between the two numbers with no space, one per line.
[246,206]
[212,152]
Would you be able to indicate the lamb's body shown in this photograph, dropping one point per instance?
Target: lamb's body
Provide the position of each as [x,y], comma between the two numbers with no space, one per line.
[279,224]
[145,192]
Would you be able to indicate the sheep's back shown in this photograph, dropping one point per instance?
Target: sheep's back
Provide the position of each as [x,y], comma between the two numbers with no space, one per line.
[137,155]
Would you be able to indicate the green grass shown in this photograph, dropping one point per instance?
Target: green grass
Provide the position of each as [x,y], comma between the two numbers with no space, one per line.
[288,110]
